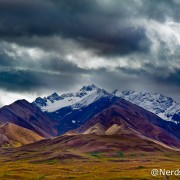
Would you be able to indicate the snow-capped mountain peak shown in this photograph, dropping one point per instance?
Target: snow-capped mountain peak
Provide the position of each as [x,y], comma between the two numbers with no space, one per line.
[164,107]
[54,97]
[89,88]
[85,96]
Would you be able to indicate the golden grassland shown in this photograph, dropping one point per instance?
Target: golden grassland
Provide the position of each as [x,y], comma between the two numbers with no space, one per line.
[87,157]
[94,165]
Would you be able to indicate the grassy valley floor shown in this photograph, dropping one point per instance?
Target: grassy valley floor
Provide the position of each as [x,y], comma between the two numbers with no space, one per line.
[95,165]
[87,157]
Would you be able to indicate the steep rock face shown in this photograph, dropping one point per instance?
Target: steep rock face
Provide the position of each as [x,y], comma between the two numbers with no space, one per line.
[24,114]
[12,135]
[124,117]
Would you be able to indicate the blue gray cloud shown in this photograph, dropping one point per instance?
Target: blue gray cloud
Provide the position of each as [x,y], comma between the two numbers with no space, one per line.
[51,44]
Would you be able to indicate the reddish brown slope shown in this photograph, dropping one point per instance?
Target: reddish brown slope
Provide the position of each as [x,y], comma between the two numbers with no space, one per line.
[126,118]
[24,114]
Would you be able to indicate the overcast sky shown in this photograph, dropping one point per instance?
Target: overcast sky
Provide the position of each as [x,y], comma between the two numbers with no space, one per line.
[61,45]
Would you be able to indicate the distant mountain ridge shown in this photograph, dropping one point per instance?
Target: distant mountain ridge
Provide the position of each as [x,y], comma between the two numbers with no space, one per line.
[165,107]
[85,96]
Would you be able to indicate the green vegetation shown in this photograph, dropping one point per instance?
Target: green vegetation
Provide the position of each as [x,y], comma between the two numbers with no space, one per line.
[120,154]
[133,155]
[51,161]
[140,167]
[96,154]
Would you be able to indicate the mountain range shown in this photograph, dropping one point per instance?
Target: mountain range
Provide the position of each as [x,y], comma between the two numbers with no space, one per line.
[163,106]
[126,119]
[72,110]
[93,110]
[106,133]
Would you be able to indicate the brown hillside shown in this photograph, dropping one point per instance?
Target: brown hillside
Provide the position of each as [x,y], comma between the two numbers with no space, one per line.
[13,135]
[124,118]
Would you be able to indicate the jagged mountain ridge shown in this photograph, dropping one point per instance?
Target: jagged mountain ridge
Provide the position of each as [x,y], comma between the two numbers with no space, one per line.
[165,107]
[85,96]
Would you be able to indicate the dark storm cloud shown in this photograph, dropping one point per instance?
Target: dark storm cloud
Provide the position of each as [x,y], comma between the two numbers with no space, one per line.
[171,79]
[128,79]
[104,25]
[103,29]
[62,66]
[107,26]
[30,80]
[25,75]
[89,22]
[159,75]
[19,80]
